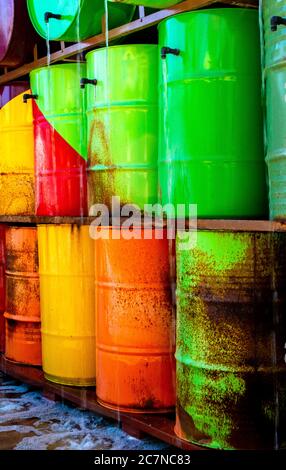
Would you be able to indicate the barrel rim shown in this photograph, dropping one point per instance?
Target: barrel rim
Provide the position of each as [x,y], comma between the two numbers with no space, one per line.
[52,67]
[208,10]
[22,318]
[101,49]
[22,227]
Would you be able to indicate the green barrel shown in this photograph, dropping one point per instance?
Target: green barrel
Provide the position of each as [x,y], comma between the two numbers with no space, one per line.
[275,81]
[149,3]
[122,115]
[231,330]
[211,133]
[73,20]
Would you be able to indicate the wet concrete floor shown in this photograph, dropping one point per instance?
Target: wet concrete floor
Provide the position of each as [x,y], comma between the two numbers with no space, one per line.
[29,421]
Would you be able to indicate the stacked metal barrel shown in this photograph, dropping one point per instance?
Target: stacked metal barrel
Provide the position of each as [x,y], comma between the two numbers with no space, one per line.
[178,123]
[2,288]
[273,20]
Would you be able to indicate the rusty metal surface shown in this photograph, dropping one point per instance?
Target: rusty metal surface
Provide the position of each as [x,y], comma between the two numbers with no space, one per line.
[127,111]
[134,324]
[231,330]
[23,340]
[17,152]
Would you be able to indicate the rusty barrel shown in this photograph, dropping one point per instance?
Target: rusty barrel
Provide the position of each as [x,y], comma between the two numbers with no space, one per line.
[17,151]
[121,110]
[273,13]
[67,304]
[231,330]
[134,323]
[17,37]
[23,322]
[2,288]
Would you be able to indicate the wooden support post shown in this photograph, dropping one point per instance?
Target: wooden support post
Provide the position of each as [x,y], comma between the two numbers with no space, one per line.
[51,395]
[141,13]
[35,52]
[132,431]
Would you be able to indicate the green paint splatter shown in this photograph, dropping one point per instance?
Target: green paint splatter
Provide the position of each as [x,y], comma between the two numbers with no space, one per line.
[215,254]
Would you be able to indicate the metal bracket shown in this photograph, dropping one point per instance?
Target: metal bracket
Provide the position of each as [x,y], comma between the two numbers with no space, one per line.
[169,50]
[275,21]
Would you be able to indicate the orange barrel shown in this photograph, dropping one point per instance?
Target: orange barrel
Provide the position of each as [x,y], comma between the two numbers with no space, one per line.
[23,323]
[135,368]
[2,288]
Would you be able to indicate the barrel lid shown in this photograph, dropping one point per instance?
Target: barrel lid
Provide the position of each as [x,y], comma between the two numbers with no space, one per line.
[69,10]
[48,70]
[207,11]
[22,318]
[6,25]
[123,47]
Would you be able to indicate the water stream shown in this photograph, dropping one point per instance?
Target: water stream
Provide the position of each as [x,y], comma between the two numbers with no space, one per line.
[48,45]
[164,119]
[107,84]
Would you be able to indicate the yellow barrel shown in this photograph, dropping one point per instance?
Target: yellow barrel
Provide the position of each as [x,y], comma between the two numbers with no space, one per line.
[66,268]
[16,151]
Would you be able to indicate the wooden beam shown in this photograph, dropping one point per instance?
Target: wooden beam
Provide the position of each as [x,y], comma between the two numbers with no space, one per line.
[200,224]
[116,33]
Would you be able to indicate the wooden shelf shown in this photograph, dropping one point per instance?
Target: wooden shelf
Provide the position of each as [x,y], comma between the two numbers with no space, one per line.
[200,224]
[137,425]
[117,33]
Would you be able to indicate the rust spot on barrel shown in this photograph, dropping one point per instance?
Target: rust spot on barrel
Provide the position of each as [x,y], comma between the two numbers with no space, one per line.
[230,340]
[135,329]
[100,181]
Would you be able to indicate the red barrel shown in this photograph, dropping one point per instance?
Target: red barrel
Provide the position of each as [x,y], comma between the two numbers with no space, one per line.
[16,33]
[2,288]
[60,140]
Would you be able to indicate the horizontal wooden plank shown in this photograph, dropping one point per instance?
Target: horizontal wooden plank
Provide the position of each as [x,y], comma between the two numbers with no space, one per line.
[200,224]
[158,426]
[116,33]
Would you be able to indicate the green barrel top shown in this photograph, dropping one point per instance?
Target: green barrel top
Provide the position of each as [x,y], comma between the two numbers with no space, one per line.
[73,20]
